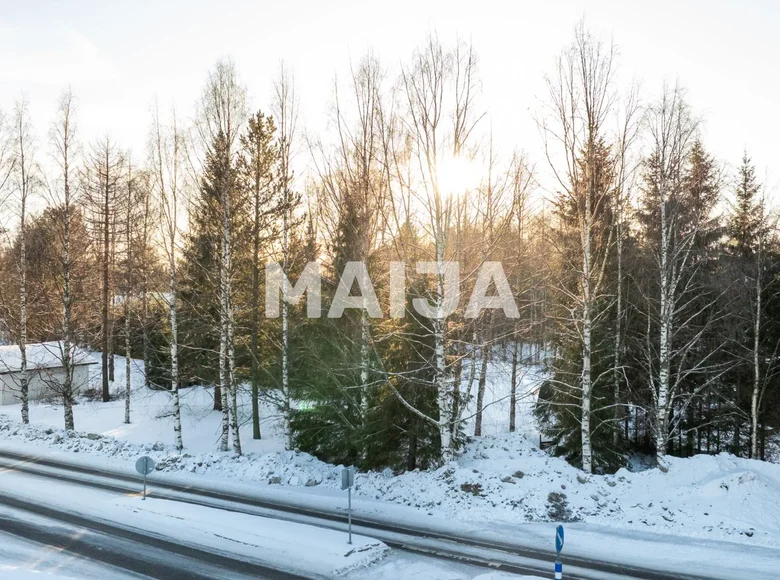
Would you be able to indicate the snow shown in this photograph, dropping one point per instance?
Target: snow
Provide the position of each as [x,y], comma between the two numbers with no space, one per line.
[505,576]
[284,545]
[24,560]
[10,573]
[501,478]
[42,355]
[720,504]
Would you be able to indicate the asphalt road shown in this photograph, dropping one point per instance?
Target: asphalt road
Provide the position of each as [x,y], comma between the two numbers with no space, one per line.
[129,550]
[501,556]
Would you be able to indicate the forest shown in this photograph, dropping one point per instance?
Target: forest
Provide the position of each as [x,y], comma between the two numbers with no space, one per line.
[645,271]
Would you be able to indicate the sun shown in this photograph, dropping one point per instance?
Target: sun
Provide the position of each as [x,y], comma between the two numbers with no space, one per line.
[457,175]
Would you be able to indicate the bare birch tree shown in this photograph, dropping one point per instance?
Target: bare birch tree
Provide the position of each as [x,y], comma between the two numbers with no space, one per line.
[675,221]
[25,180]
[582,96]
[355,191]
[166,151]
[65,193]
[439,91]
[285,112]
[222,114]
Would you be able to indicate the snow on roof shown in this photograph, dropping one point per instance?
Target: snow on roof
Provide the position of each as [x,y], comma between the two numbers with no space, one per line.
[41,355]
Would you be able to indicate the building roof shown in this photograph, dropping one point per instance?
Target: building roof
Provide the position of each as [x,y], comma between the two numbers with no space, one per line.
[40,355]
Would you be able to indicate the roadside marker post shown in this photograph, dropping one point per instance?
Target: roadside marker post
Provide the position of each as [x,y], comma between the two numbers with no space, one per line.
[347,481]
[558,549]
[144,466]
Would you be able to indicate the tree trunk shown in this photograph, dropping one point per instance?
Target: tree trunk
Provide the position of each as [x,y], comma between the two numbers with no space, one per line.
[217,397]
[225,438]
[23,337]
[145,328]
[23,300]
[255,391]
[440,370]
[457,395]
[128,360]
[224,386]
[235,422]
[754,403]
[255,315]
[227,363]
[126,305]
[286,404]
[513,388]
[481,390]
[364,361]
[665,333]
[616,371]
[587,451]
[66,318]
[174,347]
[106,296]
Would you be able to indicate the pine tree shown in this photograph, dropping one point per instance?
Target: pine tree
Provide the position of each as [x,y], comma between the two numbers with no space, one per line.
[257,166]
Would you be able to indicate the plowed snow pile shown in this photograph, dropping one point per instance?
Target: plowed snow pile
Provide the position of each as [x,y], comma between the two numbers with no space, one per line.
[504,479]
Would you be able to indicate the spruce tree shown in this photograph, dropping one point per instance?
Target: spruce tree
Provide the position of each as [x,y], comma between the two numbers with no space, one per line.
[199,288]
[560,398]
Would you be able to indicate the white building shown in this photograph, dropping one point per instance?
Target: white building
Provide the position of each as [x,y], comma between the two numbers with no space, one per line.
[44,370]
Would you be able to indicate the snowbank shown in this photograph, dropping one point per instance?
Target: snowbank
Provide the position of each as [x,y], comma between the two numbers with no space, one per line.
[504,480]
[11,573]
[501,478]
[281,544]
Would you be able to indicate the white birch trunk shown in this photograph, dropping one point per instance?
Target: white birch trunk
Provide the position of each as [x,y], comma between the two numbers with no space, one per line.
[224,381]
[440,370]
[587,322]
[286,410]
[23,275]
[662,401]
[174,350]
[587,451]
[126,309]
[230,321]
[754,403]
[364,362]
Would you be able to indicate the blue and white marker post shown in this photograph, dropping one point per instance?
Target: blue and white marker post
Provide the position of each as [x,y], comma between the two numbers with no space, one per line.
[558,548]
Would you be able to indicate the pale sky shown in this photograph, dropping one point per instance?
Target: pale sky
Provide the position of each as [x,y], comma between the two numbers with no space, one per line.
[117,56]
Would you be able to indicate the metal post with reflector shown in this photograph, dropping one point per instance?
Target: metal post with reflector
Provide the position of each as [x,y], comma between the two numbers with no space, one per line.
[558,548]
[144,466]
[347,481]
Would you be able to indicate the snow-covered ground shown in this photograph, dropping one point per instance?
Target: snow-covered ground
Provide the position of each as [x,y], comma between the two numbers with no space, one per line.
[284,545]
[24,560]
[502,480]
